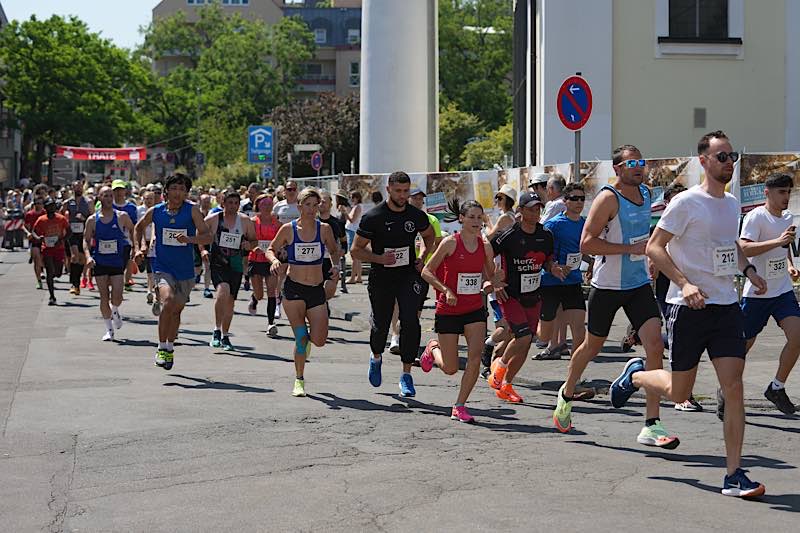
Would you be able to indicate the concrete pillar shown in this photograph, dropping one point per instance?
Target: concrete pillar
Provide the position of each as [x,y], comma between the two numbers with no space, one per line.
[399,86]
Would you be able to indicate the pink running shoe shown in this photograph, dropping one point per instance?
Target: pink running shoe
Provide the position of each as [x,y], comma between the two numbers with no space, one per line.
[461,414]
[426,359]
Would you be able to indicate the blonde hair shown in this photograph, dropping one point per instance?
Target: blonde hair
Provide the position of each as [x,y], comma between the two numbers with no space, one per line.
[308,192]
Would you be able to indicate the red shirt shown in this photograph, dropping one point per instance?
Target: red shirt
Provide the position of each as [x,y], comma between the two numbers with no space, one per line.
[462,273]
[264,232]
[58,226]
[31,217]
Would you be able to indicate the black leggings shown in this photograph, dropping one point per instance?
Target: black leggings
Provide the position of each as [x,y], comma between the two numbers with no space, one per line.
[53,269]
[406,289]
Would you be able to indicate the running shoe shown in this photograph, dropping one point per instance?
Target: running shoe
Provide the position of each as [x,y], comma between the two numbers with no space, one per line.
[207,293]
[426,360]
[216,339]
[622,388]
[109,336]
[226,343]
[461,414]
[51,301]
[508,394]
[117,318]
[486,356]
[565,351]
[740,486]
[407,389]
[497,374]
[278,310]
[548,355]
[562,416]
[691,405]
[299,388]
[656,435]
[780,399]
[39,284]
[156,308]
[127,288]
[394,346]
[485,372]
[246,285]
[91,285]
[169,358]
[252,307]
[83,283]
[272,330]
[630,340]
[161,356]
[720,405]
[375,371]
[541,344]
[149,298]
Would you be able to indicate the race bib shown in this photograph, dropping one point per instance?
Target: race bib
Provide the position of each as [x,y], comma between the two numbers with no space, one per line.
[76,227]
[51,241]
[169,236]
[232,241]
[636,240]
[530,282]
[776,267]
[469,283]
[307,252]
[574,260]
[107,247]
[263,245]
[400,255]
[725,261]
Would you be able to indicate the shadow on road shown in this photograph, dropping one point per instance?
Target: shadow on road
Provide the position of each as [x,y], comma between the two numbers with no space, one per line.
[248,353]
[770,426]
[201,383]
[779,502]
[337,403]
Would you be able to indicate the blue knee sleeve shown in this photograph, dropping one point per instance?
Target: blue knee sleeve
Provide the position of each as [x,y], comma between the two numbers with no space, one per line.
[301,339]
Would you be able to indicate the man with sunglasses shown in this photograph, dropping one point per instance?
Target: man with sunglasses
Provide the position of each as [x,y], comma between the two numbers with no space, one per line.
[616,233]
[700,226]
[37,210]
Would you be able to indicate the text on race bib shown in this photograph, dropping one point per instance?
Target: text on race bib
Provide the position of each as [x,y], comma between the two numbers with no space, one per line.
[529,282]
[401,257]
[777,267]
[574,260]
[469,283]
[725,261]
[76,227]
[263,245]
[307,252]
[230,240]
[636,240]
[51,241]
[169,236]
[107,247]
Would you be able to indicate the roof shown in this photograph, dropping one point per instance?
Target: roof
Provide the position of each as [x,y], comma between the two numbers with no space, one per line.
[335,20]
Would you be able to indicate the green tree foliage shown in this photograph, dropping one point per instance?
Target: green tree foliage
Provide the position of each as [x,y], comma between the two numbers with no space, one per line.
[456,129]
[328,120]
[492,150]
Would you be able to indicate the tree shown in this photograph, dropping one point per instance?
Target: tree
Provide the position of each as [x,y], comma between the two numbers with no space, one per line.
[456,129]
[490,151]
[67,85]
[328,120]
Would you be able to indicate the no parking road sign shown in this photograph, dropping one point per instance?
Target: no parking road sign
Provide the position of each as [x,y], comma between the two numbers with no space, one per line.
[574,103]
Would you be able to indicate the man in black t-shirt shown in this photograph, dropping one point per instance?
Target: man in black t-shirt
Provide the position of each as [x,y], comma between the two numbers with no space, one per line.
[339,236]
[386,238]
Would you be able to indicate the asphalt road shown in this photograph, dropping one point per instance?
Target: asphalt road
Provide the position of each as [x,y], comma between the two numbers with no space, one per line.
[93,437]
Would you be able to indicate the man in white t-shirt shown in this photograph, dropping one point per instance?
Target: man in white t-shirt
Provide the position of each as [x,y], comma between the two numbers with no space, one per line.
[695,245]
[286,210]
[767,233]
[555,198]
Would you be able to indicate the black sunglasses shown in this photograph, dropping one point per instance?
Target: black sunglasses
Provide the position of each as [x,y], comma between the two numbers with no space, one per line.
[723,156]
[575,198]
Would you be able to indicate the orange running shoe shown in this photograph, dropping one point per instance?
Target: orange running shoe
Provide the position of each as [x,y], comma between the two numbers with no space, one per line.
[497,374]
[508,394]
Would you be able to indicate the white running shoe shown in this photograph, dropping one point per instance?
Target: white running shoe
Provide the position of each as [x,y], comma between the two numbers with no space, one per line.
[109,336]
[117,318]
[278,312]
[272,330]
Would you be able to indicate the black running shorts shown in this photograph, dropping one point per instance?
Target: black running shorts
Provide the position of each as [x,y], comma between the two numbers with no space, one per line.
[639,305]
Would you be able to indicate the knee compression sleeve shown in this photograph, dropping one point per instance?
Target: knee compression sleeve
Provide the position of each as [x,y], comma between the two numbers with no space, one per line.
[301,339]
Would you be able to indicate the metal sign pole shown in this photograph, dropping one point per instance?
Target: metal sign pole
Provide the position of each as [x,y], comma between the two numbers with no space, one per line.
[576,169]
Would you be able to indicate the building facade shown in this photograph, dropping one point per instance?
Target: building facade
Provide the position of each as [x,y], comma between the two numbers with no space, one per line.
[10,138]
[336,65]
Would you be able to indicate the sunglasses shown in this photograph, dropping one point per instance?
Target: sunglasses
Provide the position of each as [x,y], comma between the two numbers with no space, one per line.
[633,163]
[723,156]
[575,198]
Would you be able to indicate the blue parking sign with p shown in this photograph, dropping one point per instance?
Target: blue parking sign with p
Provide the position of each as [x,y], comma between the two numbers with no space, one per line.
[259,144]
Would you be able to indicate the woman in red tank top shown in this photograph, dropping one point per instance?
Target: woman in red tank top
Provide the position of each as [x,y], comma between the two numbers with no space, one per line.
[258,266]
[456,270]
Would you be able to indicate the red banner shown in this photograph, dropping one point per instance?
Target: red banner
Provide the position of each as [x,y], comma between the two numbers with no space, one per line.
[134,153]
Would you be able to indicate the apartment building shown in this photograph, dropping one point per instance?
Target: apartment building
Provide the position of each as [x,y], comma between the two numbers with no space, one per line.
[336,65]
[10,139]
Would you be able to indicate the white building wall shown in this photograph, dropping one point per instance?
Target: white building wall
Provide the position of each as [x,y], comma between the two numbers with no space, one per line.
[792,75]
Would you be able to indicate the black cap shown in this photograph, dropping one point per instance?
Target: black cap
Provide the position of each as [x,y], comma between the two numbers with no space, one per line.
[530,199]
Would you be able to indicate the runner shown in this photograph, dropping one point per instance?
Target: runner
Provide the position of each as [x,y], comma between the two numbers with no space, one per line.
[565,297]
[353,215]
[554,191]
[148,201]
[105,238]
[339,236]
[205,210]
[36,211]
[233,232]
[767,233]
[702,257]
[305,240]
[390,229]
[455,271]
[616,232]
[526,249]
[121,203]
[52,229]
[266,227]
[285,210]
[77,210]
[177,225]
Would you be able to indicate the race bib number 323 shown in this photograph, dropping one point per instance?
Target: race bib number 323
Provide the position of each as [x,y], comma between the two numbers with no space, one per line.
[776,267]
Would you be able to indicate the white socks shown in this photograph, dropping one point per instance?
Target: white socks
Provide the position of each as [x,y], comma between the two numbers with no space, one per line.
[777,385]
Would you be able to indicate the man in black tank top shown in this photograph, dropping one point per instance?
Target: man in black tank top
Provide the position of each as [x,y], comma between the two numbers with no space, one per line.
[341,239]
[77,210]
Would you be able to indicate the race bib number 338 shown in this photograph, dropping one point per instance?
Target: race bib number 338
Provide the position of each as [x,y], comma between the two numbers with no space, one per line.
[469,283]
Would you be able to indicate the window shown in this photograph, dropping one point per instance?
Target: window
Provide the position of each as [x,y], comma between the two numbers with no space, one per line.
[699,27]
[320,35]
[353,36]
[312,69]
[698,19]
[355,74]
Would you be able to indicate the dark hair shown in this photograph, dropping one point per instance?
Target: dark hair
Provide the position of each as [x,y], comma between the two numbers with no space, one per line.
[231,194]
[577,186]
[705,140]
[508,202]
[672,189]
[778,179]
[616,156]
[179,178]
[357,195]
[466,206]
[377,197]
[398,176]
[253,184]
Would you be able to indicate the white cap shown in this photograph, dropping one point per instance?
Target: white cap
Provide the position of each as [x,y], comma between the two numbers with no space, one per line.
[509,191]
[538,178]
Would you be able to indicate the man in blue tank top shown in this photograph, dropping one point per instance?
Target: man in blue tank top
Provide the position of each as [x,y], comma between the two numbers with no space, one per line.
[178,224]
[104,234]
[616,233]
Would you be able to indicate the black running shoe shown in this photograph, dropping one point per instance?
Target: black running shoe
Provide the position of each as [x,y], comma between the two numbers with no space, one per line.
[780,399]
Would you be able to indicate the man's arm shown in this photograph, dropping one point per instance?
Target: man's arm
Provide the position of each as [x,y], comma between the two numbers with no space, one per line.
[329,240]
[88,235]
[428,239]
[603,209]
[202,235]
[752,248]
[359,251]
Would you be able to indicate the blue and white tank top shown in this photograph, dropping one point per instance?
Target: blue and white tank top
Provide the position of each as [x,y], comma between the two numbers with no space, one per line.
[305,253]
[629,226]
[173,257]
[109,242]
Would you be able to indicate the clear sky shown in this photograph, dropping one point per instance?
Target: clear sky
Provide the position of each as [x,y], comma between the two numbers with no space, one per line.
[118,20]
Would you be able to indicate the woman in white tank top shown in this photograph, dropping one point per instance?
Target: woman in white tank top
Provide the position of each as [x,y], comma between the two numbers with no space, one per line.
[352,218]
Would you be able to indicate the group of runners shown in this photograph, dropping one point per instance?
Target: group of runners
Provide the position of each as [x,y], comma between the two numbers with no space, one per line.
[526,263]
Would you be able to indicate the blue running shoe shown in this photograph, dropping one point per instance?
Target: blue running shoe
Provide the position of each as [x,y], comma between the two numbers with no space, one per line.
[375,371]
[738,485]
[622,388]
[407,389]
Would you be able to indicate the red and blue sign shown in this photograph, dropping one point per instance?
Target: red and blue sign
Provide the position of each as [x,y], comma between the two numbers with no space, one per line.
[574,103]
[316,161]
